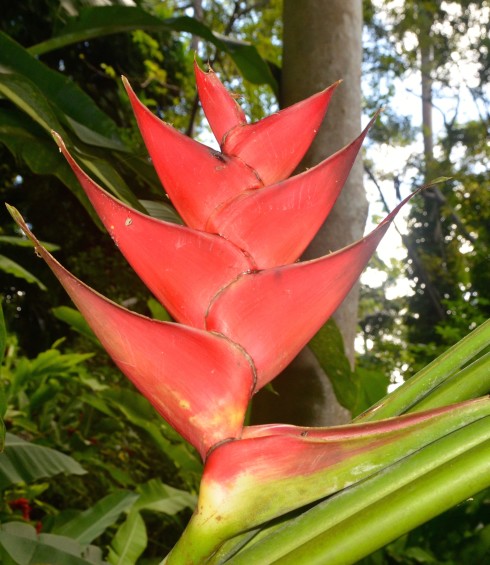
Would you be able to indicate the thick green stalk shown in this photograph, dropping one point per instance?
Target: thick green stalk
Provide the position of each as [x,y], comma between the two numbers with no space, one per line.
[395,515]
[250,501]
[344,506]
[419,386]
[473,380]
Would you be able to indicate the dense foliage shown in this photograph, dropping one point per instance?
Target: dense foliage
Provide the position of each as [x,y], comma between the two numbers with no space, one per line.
[56,377]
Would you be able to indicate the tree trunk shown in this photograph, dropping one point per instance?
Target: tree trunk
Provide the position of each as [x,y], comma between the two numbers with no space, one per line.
[322,43]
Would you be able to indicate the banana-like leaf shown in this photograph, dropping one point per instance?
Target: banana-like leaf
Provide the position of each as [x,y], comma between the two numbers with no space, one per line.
[59,89]
[27,141]
[129,542]
[462,453]
[159,497]
[106,20]
[24,546]
[91,523]
[24,462]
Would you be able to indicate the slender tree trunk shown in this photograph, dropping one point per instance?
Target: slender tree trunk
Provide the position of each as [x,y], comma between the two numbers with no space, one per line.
[322,44]
[426,79]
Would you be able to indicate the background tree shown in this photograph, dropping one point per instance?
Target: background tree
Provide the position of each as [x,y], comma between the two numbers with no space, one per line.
[313,30]
[438,45]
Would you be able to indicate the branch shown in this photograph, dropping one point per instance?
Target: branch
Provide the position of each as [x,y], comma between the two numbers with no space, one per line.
[432,291]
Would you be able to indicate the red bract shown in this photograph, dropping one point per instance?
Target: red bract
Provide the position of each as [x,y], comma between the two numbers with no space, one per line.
[184,268]
[229,277]
[198,381]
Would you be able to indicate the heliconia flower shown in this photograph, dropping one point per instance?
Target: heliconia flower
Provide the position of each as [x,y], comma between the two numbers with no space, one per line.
[198,381]
[275,469]
[244,308]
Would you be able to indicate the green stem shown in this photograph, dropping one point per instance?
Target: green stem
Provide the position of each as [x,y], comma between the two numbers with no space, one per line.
[344,506]
[395,515]
[419,386]
[473,380]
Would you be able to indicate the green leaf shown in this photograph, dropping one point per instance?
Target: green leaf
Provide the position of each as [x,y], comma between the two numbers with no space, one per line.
[60,90]
[28,98]
[161,211]
[129,542]
[12,268]
[113,180]
[372,387]
[24,242]
[328,348]
[91,523]
[462,453]
[92,137]
[76,321]
[159,497]
[29,143]
[136,409]
[472,381]
[430,377]
[3,337]
[105,20]
[24,462]
[25,547]
[3,396]
[53,362]
[158,311]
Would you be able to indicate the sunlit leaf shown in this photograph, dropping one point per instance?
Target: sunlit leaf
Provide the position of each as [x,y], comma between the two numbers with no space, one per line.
[91,523]
[24,462]
[129,542]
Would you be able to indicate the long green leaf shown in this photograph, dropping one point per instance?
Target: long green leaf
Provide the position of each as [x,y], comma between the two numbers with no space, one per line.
[62,92]
[99,21]
[129,542]
[29,98]
[28,142]
[91,523]
[25,547]
[3,396]
[24,462]
[10,267]
[24,242]
[3,335]
[445,366]
[473,380]
[328,347]
[277,541]
[396,515]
